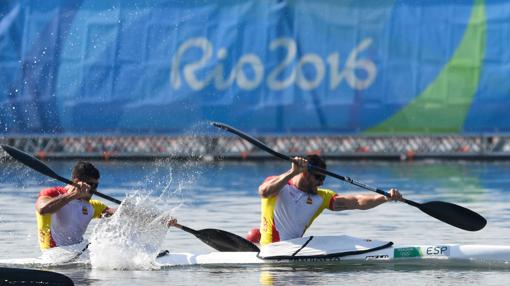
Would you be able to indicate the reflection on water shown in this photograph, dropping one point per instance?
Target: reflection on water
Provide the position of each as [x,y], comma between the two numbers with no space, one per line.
[224,196]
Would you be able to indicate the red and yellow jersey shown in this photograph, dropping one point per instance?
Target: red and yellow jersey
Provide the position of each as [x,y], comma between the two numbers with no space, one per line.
[68,224]
[289,214]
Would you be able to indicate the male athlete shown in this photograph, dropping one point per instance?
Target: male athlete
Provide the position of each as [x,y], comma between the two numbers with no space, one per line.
[63,213]
[291,201]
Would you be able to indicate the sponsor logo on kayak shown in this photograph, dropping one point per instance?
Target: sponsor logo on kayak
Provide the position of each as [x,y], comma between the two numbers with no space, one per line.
[377,257]
[406,252]
[312,259]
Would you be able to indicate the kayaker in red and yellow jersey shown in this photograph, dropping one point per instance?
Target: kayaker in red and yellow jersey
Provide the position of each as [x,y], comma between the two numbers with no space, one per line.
[291,201]
[63,213]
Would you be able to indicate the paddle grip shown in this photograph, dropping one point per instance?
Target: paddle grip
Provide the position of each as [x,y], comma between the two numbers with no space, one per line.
[106,197]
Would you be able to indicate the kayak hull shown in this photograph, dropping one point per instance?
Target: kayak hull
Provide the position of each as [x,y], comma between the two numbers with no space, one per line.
[310,250]
[406,254]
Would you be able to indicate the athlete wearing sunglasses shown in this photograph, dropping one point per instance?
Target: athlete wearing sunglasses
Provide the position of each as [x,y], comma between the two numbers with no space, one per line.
[291,201]
[64,213]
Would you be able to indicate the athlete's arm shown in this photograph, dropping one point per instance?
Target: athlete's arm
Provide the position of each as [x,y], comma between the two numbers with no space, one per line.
[272,186]
[153,214]
[363,202]
[47,205]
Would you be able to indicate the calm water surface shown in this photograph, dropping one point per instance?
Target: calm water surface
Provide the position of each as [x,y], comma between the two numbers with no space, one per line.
[207,195]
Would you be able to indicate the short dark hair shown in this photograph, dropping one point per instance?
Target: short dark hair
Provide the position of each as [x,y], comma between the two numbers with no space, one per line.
[85,170]
[316,160]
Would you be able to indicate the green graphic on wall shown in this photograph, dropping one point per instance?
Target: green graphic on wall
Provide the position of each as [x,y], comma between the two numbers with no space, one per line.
[443,106]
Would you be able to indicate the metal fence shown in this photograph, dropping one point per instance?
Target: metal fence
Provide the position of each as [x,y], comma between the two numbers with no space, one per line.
[234,148]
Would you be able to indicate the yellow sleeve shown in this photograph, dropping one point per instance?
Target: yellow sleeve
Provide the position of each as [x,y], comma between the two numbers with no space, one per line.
[326,195]
[267,228]
[99,208]
[44,231]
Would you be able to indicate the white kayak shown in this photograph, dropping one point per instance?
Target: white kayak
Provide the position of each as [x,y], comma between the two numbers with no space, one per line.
[313,249]
[337,249]
[54,257]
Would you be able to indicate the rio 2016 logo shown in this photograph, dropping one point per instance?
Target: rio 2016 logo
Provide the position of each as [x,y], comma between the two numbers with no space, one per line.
[358,73]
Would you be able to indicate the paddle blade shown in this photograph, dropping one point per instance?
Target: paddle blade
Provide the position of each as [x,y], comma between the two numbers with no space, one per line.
[33,163]
[225,241]
[455,215]
[19,276]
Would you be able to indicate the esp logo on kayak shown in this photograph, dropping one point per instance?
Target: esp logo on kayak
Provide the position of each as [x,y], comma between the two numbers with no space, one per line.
[439,250]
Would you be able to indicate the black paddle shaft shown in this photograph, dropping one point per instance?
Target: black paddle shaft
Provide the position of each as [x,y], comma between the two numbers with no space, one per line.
[452,214]
[42,168]
[216,238]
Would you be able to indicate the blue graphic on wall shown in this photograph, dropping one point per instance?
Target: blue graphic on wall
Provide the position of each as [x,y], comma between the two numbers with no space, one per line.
[301,67]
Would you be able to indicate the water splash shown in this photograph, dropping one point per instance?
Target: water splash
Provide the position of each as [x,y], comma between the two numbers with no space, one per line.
[133,236]
[130,239]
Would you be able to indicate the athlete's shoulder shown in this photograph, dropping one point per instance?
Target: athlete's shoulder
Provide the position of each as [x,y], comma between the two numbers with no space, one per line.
[98,207]
[328,197]
[96,203]
[325,192]
[52,192]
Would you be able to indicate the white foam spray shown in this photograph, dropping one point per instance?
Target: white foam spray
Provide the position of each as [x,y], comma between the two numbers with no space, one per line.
[130,239]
